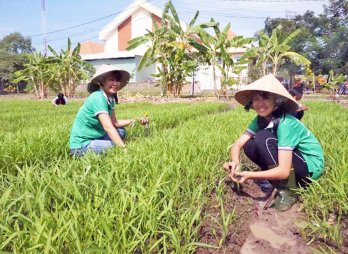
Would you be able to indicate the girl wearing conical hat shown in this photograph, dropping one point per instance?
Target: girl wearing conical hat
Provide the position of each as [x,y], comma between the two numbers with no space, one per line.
[276,141]
[95,127]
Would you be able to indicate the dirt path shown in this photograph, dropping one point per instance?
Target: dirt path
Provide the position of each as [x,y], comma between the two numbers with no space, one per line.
[254,230]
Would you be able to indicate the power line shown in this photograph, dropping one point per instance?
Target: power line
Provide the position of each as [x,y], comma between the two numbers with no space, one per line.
[185,10]
[83,24]
[255,8]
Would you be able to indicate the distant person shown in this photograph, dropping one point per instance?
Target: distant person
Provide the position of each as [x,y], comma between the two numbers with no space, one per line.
[285,150]
[286,85]
[96,127]
[343,89]
[60,99]
[299,87]
[301,108]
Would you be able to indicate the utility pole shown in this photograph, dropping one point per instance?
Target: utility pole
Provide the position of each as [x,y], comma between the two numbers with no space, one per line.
[43,26]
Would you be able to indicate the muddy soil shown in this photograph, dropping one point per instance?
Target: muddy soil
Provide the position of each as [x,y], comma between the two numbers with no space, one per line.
[254,230]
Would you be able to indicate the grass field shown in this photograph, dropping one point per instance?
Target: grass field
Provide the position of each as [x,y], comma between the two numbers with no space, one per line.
[150,198]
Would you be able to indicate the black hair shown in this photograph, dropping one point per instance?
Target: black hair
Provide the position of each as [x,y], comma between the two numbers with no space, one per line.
[295,92]
[248,106]
[115,98]
[60,95]
[263,94]
[118,75]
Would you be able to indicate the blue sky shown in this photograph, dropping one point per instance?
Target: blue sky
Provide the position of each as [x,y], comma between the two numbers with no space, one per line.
[90,16]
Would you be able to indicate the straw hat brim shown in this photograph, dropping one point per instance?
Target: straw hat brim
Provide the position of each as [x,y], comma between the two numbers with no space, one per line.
[95,82]
[269,84]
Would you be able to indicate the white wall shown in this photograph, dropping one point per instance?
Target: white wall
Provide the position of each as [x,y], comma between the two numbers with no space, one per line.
[111,44]
[141,22]
[145,72]
[205,78]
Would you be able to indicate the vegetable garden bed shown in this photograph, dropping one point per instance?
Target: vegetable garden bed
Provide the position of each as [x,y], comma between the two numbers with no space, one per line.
[152,198]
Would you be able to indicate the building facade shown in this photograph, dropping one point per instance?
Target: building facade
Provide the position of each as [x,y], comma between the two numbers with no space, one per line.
[136,20]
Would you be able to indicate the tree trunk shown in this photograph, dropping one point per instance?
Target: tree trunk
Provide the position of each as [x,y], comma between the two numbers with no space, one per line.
[275,66]
[164,80]
[41,92]
[264,68]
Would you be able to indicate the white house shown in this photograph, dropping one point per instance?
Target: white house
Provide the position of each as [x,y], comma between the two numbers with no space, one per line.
[136,20]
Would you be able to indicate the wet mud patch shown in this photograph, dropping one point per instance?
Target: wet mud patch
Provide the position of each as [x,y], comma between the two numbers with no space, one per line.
[252,229]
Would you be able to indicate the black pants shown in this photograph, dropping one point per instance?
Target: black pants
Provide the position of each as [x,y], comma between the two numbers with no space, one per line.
[263,151]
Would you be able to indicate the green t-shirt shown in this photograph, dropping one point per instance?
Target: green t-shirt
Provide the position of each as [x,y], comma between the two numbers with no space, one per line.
[87,126]
[291,134]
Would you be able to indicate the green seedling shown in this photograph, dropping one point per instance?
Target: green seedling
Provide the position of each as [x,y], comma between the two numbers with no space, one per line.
[147,125]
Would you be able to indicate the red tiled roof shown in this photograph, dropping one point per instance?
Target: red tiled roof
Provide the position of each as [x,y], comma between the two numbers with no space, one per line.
[230,34]
[91,47]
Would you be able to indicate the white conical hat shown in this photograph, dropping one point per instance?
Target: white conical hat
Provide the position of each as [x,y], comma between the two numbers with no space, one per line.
[94,85]
[269,84]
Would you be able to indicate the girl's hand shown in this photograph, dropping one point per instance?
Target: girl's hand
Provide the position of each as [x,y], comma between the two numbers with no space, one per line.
[231,167]
[241,176]
[144,120]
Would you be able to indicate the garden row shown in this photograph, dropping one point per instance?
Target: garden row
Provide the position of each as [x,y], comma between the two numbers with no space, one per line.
[148,199]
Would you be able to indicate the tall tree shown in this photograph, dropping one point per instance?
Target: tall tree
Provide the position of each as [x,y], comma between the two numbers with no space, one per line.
[13,47]
[15,43]
[324,40]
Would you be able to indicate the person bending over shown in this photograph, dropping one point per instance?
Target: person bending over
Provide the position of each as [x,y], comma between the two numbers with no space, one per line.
[276,141]
[299,113]
[59,100]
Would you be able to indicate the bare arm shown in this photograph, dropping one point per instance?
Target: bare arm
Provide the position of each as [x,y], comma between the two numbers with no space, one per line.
[110,129]
[233,166]
[282,171]
[120,123]
[124,123]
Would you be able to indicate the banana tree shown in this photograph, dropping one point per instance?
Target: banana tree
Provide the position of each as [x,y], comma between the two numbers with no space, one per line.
[281,50]
[215,49]
[35,73]
[275,50]
[170,45]
[334,81]
[69,68]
